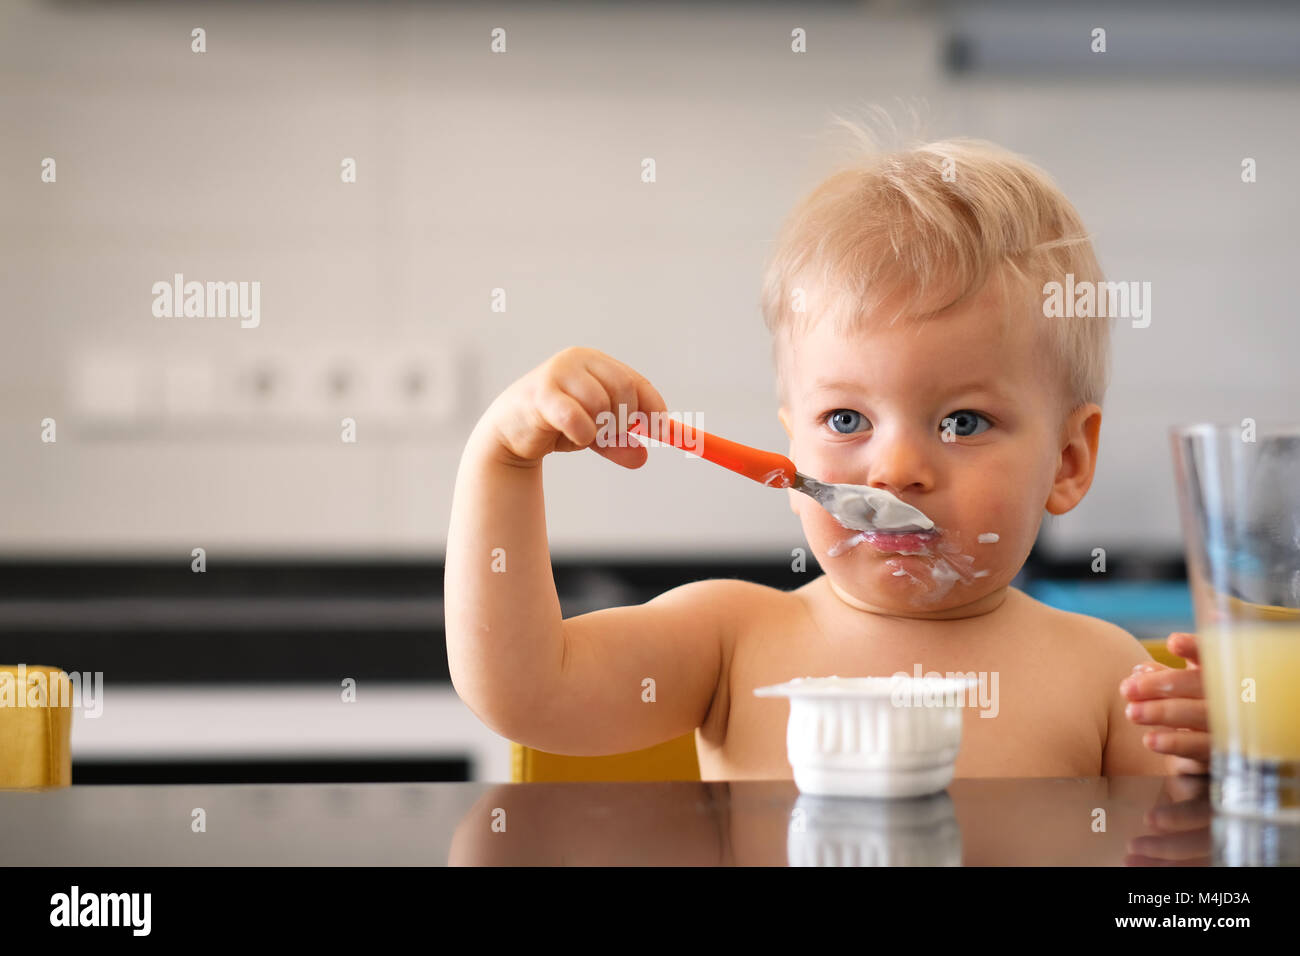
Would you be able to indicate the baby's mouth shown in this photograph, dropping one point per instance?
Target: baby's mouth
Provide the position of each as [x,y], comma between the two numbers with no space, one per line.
[912,542]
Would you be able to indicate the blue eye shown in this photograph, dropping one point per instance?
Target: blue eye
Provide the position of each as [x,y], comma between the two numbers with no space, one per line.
[845,421]
[965,423]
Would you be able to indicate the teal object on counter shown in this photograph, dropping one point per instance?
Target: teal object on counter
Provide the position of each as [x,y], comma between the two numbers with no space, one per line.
[1133,605]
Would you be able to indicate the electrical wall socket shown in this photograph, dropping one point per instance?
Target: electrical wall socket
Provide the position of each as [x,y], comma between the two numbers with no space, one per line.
[392,390]
[108,387]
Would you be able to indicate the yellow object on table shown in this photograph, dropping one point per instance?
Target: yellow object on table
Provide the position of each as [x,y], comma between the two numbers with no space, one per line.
[673,760]
[35,727]
[1155,646]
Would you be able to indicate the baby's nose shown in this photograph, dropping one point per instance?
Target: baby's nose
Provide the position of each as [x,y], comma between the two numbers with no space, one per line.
[898,465]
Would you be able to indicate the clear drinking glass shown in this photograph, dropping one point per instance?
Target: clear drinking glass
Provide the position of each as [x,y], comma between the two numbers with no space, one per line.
[1239,497]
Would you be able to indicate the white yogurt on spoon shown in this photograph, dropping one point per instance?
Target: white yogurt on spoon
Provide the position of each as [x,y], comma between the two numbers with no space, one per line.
[874,513]
[862,508]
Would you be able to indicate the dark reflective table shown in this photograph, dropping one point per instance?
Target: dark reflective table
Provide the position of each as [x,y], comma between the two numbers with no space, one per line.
[1094,821]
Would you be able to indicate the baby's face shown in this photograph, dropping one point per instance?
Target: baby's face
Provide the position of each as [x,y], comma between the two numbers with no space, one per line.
[953,416]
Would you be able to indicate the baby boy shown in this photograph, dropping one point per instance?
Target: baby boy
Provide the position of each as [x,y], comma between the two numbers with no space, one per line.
[905,298]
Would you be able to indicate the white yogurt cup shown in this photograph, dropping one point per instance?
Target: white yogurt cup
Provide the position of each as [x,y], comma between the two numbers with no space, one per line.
[872,736]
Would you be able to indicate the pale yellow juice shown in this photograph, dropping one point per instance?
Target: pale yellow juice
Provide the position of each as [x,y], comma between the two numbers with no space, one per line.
[1267,728]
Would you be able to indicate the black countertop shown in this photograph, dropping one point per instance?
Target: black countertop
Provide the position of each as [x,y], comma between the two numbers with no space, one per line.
[1148,821]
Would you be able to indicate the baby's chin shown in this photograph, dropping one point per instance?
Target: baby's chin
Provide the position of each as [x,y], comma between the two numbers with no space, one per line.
[916,593]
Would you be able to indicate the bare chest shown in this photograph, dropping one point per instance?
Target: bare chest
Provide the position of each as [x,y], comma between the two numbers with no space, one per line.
[1027,716]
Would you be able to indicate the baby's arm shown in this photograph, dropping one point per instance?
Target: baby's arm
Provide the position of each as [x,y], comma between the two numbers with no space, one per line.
[571,686]
[1125,753]
[637,676]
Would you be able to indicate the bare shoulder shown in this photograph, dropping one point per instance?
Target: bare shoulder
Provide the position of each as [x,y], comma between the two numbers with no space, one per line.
[743,611]
[728,593]
[1099,655]
[1101,645]
[724,599]
[740,608]
[731,599]
[1103,655]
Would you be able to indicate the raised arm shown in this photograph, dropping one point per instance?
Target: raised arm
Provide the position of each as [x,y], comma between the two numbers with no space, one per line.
[526,673]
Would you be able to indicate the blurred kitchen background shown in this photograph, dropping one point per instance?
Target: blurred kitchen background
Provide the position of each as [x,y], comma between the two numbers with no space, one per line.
[520,171]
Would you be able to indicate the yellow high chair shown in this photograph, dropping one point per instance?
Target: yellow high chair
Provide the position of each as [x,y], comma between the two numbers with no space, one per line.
[672,760]
[35,727]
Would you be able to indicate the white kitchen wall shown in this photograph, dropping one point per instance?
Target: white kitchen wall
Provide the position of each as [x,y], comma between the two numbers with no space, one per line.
[522,171]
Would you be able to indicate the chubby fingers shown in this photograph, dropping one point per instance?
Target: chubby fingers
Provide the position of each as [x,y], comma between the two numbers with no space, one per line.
[1182,644]
[1191,744]
[1173,712]
[1154,682]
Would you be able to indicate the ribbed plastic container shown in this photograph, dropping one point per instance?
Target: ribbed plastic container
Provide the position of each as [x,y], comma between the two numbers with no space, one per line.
[872,736]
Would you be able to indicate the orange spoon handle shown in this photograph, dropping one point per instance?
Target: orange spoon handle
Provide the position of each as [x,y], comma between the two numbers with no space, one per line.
[765,467]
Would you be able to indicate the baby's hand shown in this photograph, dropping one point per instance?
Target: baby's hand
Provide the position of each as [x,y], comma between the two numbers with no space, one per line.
[1173,701]
[558,405]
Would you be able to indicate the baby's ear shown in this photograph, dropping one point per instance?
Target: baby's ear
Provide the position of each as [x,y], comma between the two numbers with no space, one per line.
[1078,461]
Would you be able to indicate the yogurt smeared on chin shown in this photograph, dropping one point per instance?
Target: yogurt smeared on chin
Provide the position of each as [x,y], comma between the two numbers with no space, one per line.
[944,563]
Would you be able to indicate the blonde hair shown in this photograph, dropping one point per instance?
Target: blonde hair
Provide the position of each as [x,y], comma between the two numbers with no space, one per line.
[923,228]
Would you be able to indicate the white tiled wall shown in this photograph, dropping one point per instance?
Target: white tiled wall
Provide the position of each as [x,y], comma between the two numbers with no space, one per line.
[522,171]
